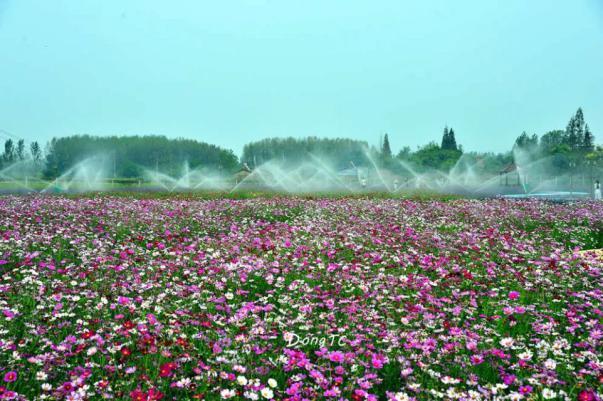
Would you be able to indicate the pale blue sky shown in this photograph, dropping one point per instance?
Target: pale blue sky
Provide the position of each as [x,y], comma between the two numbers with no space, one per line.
[228,72]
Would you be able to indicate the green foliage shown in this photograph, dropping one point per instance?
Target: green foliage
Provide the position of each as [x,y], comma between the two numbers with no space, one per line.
[36,152]
[386,150]
[339,151]
[588,142]
[132,153]
[527,142]
[404,153]
[9,152]
[448,140]
[574,146]
[20,150]
[434,157]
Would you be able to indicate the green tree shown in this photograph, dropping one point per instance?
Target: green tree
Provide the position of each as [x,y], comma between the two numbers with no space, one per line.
[291,151]
[445,139]
[452,140]
[36,152]
[588,142]
[20,151]
[133,154]
[386,150]
[449,140]
[9,151]
[404,153]
[527,142]
[551,140]
[432,156]
[575,130]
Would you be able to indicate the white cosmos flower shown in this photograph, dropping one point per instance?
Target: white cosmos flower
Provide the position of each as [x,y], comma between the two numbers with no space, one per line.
[227,393]
[401,397]
[251,395]
[272,383]
[241,380]
[515,396]
[267,393]
[507,342]
[550,364]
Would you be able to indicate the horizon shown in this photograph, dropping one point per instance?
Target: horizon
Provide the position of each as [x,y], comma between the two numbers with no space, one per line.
[341,70]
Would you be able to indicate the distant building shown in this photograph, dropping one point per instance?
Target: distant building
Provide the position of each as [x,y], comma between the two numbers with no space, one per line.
[353,175]
[242,173]
[509,175]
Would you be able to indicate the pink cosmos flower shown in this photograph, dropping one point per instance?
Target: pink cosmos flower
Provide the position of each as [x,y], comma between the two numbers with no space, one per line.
[377,361]
[586,395]
[476,359]
[138,395]
[151,319]
[332,392]
[513,295]
[336,356]
[10,377]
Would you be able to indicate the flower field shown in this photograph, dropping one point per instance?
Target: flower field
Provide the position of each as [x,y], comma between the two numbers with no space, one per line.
[299,299]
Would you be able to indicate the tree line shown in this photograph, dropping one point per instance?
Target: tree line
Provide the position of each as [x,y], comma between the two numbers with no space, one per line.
[18,152]
[566,149]
[341,152]
[130,155]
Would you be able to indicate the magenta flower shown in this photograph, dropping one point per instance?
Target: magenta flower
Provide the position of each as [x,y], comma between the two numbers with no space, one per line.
[10,377]
[476,359]
[152,319]
[586,395]
[513,295]
[336,356]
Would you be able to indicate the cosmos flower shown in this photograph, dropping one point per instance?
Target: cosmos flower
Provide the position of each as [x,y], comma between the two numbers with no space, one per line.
[336,356]
[116,298]
[10,376]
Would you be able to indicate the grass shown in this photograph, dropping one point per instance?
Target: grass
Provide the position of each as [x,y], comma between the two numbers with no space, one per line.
[147,190]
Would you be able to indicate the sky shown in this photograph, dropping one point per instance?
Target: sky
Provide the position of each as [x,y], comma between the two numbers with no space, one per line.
[234,71]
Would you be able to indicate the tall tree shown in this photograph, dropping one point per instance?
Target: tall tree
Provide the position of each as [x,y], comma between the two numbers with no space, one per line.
[579,126]
[588,141]
[448,140]
[570,133]
[9,151]
[386,150]
[551,140]
[527,142]
[36,152]
[20,152]
[452,140]
[575,130]
[445,139]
